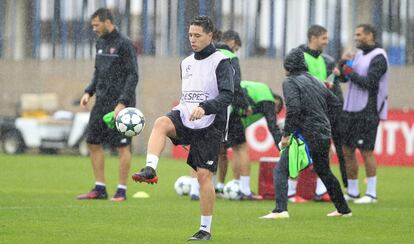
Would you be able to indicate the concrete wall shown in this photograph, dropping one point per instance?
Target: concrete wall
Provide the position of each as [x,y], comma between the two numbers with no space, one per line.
[159,84]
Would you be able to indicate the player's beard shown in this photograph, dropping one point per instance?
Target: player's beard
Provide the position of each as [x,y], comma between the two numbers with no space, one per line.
[104,32]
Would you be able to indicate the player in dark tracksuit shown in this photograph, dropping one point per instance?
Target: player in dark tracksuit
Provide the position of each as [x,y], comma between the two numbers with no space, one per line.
[229,43]
[321,66]
[113,84]
[307,105]
[335,87]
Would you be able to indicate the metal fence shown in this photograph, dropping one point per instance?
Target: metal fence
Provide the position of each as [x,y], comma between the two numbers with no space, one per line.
[60,29]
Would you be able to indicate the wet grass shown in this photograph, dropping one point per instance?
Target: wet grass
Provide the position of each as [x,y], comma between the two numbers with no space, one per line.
[38,205]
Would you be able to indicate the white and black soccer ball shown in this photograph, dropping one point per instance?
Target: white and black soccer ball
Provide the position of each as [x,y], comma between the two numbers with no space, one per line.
[183,185]
[232,191]
[130,122]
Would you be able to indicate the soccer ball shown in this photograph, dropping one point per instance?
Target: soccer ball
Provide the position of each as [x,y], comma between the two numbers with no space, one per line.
[232,190]
[182,185]
[130,122]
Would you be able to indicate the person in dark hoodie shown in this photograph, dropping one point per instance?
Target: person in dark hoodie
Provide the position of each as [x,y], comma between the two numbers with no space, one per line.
[321,66]
[199,120]
[308,104]
[365,105]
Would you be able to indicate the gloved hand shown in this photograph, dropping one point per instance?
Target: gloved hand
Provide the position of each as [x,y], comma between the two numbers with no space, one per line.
[347,70]
[109,119]
[346,67]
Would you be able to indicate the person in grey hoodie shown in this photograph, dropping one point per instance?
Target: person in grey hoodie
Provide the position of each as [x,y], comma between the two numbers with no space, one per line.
[308,104]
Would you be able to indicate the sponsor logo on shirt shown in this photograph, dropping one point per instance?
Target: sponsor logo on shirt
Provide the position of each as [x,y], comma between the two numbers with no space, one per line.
[194,96]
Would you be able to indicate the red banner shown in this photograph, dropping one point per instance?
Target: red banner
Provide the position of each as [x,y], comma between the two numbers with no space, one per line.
[394,145]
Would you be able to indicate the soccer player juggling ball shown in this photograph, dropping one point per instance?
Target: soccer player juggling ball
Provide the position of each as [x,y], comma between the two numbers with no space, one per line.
[199,120]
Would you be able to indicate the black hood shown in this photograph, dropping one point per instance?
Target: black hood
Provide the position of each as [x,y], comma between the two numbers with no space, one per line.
[294,62]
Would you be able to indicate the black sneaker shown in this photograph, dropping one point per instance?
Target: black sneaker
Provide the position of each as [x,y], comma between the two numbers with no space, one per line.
[201,235]
[146,174]
[94,194]
[119,196]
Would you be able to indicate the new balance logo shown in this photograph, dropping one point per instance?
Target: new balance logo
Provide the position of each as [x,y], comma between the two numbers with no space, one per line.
[210,162]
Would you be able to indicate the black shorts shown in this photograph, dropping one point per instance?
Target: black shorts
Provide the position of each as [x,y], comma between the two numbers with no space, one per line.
[359,131]
[235,135]
[98,132]
[204,143]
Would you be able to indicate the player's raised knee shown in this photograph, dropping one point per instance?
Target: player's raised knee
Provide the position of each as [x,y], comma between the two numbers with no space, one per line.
[163,123]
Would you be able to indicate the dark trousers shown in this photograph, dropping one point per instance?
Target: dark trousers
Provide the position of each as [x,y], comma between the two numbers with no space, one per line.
[336,137]
[319,150]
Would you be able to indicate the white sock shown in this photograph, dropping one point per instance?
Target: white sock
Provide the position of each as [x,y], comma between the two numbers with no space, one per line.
[122,186]
[292,187]
[195,187]
[353,188]
[245,185]
[214,180]
[98,183]
[152,161]
[206,223]
[220,185]
[320,187]
[372,186]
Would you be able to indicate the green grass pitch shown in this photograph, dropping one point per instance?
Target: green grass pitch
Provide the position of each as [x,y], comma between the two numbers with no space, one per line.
[38,205]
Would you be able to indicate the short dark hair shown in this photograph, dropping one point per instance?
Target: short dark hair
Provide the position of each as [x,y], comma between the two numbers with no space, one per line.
[103,14]
[368,29]
[316,31]
[217,35]
[231,35]
[205,22]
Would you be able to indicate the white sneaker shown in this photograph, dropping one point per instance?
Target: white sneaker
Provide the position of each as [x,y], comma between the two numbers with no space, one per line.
[367,199]
[350,198]
[281,215]
[338,214]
